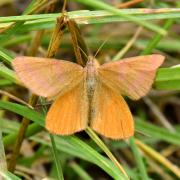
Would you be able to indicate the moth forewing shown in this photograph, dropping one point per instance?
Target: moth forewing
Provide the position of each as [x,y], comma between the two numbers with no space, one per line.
[69,113]
[132,77]
[47,77]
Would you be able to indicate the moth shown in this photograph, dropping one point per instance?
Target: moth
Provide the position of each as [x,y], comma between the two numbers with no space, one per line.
[90,95]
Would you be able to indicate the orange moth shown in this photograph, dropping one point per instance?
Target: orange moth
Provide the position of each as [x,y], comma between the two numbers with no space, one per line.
[90,95]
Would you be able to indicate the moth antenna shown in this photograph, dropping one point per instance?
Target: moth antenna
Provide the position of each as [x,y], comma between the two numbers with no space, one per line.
[83,52]
[100,47]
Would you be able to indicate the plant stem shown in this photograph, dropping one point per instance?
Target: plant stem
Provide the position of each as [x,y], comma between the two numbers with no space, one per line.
[158,157]
[20,137]
[100,143]
[129,44]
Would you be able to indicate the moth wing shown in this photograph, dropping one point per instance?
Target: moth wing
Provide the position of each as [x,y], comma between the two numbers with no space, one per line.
[132,77]
[69,113]
[110,115]
[47,77]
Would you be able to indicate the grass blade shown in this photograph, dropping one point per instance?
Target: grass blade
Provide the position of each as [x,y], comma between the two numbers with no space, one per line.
[139,160]
[168,78]
[157,132]
[80,171]
[102,5]
[56,159]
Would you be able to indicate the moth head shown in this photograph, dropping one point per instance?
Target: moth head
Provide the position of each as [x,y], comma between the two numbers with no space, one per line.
[92,62]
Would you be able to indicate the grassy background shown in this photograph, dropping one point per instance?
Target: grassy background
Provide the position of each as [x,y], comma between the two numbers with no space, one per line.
[153,153]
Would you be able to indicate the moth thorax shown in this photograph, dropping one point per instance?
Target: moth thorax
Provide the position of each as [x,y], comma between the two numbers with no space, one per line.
[91,83]
[91,76]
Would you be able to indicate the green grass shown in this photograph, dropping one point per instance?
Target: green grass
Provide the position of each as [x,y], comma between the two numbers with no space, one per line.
[81,156]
